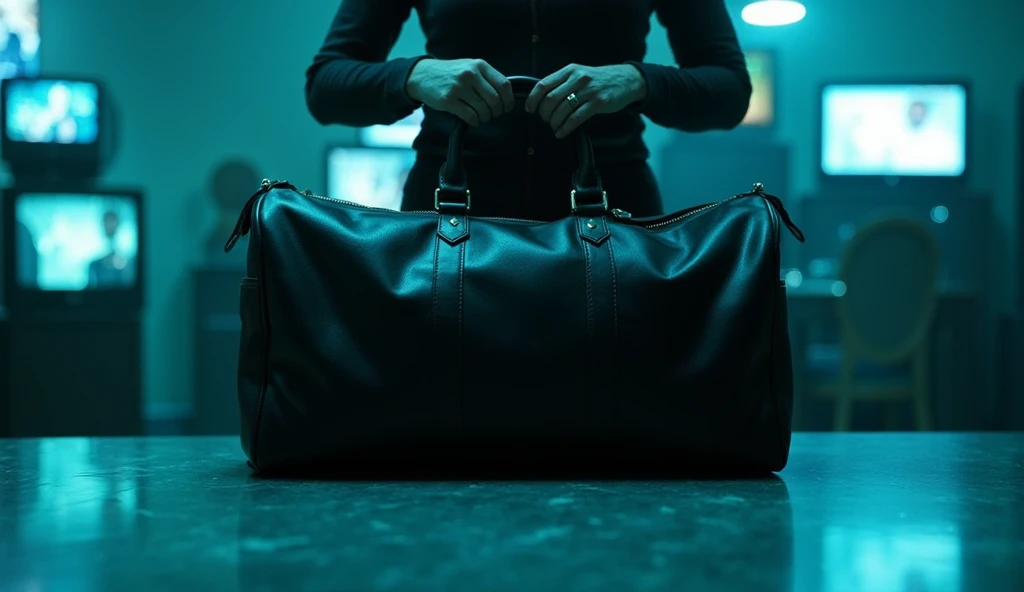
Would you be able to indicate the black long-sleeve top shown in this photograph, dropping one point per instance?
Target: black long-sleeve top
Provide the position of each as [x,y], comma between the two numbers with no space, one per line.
[351,81]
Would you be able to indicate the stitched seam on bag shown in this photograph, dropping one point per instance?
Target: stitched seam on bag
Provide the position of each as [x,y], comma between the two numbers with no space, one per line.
[265,328]
[776,232]
[615,293]
[433,310]
[589,361]
[462,359]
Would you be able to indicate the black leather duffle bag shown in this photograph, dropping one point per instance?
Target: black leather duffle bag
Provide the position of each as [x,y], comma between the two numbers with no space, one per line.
[371,336]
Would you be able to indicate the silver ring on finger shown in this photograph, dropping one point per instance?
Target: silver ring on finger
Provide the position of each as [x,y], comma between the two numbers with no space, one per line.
[573,100]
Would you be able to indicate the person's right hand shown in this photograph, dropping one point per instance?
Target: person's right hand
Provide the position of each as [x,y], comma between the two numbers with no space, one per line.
[471,90]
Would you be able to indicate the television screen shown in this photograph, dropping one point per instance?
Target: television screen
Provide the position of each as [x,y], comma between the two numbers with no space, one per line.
[372,177]
[894,130]
[70,242]
[52,111]
[397,135]
[19,38]
[761,65]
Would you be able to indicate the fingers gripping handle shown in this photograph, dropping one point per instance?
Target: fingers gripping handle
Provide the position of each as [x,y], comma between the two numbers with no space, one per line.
[453,190]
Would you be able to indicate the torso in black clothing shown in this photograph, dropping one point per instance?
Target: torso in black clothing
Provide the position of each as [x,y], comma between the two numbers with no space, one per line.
[516,155]
[524,167]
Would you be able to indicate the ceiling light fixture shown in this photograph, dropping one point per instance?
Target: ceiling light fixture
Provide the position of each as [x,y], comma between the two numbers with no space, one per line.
[773,13]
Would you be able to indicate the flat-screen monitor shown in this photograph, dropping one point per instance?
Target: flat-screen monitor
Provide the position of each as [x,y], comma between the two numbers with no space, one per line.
[397,135]
[72,250]
[51,123]
[761,65]
[894,130]
[372,177]
[19,38]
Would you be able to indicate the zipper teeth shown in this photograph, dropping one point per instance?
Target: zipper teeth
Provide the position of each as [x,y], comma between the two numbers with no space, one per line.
[682,217]
[695,212]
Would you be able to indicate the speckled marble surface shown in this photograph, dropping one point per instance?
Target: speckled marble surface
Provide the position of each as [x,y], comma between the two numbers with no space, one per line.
[852,512]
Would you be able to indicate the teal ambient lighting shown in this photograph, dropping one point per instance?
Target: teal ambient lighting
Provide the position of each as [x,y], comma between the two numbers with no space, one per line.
[773,13]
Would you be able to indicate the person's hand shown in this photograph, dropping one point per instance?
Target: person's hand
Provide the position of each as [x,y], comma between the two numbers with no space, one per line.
[471,90]
[596,90]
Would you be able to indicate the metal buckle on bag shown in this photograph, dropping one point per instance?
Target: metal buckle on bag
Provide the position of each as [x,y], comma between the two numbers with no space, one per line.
[437,199]
[604,200]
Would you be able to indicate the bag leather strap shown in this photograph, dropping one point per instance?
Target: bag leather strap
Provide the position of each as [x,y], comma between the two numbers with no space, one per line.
[453,193]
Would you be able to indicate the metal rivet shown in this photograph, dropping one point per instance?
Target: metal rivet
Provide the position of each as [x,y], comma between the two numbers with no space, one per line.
[454,222]
[591,225]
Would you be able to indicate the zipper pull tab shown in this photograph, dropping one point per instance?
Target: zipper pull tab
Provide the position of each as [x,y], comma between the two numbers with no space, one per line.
[622,214]
[758,189]
[244,223]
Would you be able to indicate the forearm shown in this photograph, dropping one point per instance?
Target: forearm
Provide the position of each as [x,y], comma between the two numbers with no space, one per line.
[357,93]
[694,99]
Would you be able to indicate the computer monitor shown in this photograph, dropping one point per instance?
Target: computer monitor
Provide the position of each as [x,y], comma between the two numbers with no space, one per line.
[72,250]
[52,124]
[19,38]
[373,177]
[894,132]
[761,66]
[397,135]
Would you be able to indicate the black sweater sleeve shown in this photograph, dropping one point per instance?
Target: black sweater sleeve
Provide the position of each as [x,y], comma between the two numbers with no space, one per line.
[710,88]
[350,83]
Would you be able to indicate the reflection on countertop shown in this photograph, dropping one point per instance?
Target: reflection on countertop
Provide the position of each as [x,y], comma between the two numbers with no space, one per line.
[878,512]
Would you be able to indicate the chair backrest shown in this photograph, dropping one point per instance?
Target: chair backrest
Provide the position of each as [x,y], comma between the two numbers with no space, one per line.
[890,270]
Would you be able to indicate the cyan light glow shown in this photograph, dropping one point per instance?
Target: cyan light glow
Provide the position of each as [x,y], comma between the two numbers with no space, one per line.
[773,13]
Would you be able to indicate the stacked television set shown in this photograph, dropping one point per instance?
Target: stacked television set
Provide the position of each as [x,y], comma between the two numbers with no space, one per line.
[71,245]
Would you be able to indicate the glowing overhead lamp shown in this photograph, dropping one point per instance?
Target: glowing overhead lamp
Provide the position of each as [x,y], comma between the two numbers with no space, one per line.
[773,13]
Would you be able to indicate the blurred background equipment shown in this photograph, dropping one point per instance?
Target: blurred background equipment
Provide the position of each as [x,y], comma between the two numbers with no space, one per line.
[216,325]
[371,176]
[1011,326]
[888,283]
[73,252]
[19,38]
[231,183]
[396,135]
[889,133]
[73,265]
[55,128]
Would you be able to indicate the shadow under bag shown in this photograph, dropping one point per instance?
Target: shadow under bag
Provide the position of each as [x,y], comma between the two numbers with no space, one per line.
[375,336]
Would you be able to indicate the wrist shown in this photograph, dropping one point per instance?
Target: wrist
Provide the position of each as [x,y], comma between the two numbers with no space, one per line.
[636,84]
[412,87]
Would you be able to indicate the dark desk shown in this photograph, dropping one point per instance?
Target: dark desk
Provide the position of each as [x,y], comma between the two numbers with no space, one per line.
[960,381]
[876,512]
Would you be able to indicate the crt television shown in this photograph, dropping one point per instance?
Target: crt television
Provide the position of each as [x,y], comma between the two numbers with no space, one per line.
[369,176]
[397,135]
[52,124]
[894,132]
[19,38]
[761,66]
[72,250]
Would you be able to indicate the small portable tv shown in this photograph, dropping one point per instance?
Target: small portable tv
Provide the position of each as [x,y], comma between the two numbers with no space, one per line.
[894,132]
[373,177]
[397,135]
[19,38]
[761,66]
[72,251]
[52,125]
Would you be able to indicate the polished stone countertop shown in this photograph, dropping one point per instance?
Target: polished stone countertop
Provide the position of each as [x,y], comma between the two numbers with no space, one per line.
[852,512]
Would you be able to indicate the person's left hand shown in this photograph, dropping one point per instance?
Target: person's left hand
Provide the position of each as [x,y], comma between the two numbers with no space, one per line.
[597,90]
